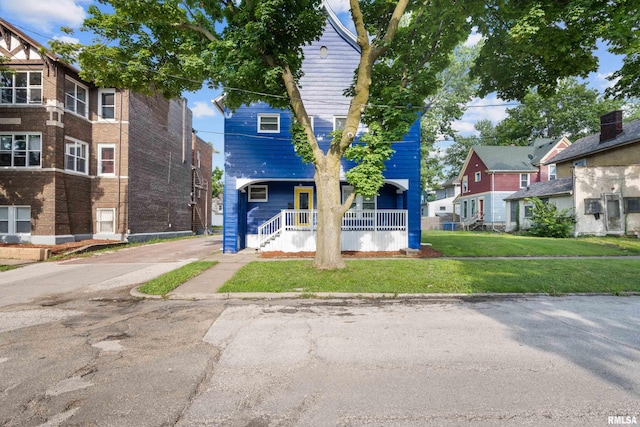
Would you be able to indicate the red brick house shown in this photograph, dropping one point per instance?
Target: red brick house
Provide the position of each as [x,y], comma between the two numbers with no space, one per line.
[80,162]
[491,173]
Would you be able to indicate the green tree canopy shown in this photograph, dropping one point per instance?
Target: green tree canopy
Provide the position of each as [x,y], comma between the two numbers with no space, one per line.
[253,50]
[572,110]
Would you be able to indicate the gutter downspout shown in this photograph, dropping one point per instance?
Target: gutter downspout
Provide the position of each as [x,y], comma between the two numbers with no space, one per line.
[124,231]
[493,210]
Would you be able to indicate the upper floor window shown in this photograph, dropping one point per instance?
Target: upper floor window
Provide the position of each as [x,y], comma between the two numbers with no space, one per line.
[478,176]
[75,156]
[552,172]
[339,122]
[76,98]
[106,159]
[581,162]
[465,184]
[21,87]
[524,180]
[268,123]
[20,150]
[107,104]
[15,219]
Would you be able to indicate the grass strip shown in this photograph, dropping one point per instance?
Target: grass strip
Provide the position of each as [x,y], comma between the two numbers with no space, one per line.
[164,284]
[470,244]
[550,276]
[8,267]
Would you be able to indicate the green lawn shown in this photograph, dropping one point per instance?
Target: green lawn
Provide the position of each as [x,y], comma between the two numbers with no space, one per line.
[169,281]
[7,267]
[470,244]
[433,275]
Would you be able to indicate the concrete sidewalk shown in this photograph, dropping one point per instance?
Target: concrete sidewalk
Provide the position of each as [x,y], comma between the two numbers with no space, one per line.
[205,285]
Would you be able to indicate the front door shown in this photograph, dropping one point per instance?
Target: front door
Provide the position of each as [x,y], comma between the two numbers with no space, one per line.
[303,204]
[481,208]
[613,212]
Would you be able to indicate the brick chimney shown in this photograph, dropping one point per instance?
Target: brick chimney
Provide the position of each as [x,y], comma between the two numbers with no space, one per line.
[610,125]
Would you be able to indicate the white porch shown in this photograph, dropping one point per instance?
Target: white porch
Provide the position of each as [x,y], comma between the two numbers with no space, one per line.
[362,230]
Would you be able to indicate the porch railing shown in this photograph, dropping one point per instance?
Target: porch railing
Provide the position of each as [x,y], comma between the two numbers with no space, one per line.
[353,220]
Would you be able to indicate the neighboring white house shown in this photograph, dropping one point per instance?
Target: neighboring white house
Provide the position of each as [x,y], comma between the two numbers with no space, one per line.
[443,204]
[216,211]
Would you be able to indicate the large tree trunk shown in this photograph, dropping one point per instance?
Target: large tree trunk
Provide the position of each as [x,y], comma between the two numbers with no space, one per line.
[330,211]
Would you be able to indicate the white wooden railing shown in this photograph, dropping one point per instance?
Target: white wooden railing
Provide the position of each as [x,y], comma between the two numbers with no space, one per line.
[353,220]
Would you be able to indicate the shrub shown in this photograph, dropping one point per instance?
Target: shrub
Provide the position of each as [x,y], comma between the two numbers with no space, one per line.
[548,221]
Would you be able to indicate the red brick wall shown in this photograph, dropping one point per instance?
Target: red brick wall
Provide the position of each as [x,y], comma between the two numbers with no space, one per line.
[159,179]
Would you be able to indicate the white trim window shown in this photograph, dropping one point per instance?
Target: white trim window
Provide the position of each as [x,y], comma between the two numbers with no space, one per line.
[366,203]
[268,123]
[21,150]
[76,97]
[553,172]
[106,159]
[76,155]
[339,122]
[21,87]
[105,221]
[478,176]
[524,180]
[465,184]
[107,104]
[15,220]
[258,193]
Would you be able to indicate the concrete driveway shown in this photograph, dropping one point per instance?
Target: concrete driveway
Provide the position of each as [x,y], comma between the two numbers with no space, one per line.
[125,267]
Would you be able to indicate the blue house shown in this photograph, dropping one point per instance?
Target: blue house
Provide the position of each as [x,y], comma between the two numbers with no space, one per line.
[269,192]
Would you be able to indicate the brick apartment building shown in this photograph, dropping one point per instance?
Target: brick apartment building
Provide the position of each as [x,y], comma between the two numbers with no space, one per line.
[80,162]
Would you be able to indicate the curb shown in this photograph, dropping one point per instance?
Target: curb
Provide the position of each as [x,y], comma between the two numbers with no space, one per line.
[266,296]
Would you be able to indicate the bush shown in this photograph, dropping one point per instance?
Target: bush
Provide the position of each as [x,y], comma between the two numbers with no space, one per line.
[548,221]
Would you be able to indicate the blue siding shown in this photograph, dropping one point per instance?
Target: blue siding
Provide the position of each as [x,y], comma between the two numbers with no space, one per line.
[269,156]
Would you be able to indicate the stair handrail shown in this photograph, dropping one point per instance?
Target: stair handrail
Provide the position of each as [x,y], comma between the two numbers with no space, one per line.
[269,229]
[472,220]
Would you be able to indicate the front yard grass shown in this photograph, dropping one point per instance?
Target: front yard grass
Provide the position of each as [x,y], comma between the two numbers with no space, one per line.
[164,284]
[474,244]
[554,276]
[8,267]
[432,275]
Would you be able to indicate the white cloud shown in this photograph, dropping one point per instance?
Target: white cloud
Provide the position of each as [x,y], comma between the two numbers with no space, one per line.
[44,15]
[67,39]
[473,39]
[338,6]
[603,81]
[202,109]
[491,108]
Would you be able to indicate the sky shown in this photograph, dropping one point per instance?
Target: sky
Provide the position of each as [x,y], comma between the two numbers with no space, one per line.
[42,20]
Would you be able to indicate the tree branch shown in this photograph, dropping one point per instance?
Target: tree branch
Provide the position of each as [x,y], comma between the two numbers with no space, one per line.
[383,45]
[297,105]
[197,28]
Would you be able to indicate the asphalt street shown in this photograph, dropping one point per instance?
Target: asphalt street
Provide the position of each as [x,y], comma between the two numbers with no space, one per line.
[77,349]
